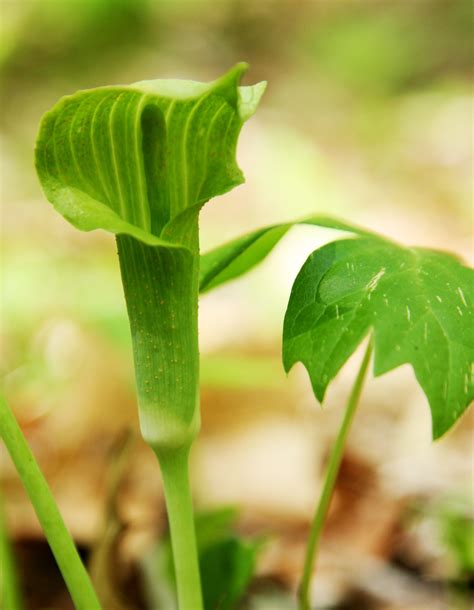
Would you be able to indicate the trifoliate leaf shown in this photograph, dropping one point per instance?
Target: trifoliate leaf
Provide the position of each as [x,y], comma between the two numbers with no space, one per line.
[233,259]
[417,303]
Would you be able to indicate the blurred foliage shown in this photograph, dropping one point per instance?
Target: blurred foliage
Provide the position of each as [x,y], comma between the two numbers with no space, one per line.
[78,30]
[384,50]
[456,524]
[373,46]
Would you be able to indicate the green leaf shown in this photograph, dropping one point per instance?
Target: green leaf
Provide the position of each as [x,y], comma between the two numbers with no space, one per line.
[140,161]
[227,563]
[417,303]
[227,567]
[214,525]
[233,259]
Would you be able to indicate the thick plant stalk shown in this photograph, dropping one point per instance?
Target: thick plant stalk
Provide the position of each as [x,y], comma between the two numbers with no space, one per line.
[329,483]
[59,539]
[161,291]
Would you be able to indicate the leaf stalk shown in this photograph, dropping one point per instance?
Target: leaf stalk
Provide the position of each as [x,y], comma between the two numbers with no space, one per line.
[330,478]
[59,539]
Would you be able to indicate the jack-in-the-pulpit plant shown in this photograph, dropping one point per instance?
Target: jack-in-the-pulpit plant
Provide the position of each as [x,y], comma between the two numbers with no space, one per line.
[418,303]
[140,161]
[416,306]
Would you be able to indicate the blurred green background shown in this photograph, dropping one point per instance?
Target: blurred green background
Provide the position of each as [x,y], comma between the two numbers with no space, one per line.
[367,116]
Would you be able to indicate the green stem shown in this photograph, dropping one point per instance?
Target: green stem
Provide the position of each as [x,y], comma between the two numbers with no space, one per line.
[161,291]
[59,539]
[174,469]
[329,483]
[10,596]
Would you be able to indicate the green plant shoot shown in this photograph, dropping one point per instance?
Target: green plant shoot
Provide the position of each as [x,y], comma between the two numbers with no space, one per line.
[140,161]
[416,303]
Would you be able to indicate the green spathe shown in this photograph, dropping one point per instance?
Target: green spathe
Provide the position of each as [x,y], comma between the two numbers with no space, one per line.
[132,159]
[140,161]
